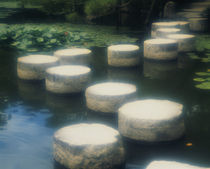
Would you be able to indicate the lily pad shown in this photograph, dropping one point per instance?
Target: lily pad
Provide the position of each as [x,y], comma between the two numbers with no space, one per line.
[193,56]
[204,85]
[199,79]
[203,73]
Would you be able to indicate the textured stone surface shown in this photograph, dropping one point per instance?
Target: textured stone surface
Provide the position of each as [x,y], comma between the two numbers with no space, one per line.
[172,165]
[186,42]
[68,78]
[33,67]
[183,25]
[160,49]
[198,24]
[109,96]
[74,56]
[164,32]
[88,146]
[151,120]
[123,55]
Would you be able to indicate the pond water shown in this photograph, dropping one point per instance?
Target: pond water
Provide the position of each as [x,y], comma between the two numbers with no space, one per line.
[29,115]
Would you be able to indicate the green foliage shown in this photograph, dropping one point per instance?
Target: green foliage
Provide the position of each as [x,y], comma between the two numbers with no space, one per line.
[62,7]
[203,80]
[43,37]
[202,43]
[75,18]
[99,7]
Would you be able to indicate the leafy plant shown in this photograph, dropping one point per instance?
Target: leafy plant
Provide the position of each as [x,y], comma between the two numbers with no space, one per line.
[99,7]
[203,80]
[43,37]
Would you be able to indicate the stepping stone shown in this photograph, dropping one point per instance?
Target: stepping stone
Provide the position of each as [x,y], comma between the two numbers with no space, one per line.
[164,32]
[202,10]
[107,97]
[67,78]
[188,15]
[151,120]
[161,49]
[88,146]
[183,25]
[198,24]
[33,67]
[123,55]
[74,56]
[171,165]
[186,42]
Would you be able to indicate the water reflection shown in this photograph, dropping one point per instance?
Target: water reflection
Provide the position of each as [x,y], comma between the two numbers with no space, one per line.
[159,70]
[123,74]
[32,92]
[65,109]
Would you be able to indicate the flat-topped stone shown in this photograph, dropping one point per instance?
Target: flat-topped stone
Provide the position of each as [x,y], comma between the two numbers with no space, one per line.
[88,146]
[183,25]
[172,165]
[151,120]
[67,78]
[186,42]
[124,55]
[33,67]
[74,56]
[164,32]
[198,24]
[109,96]
[160,49]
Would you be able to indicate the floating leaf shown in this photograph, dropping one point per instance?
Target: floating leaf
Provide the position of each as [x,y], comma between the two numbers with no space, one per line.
[199,79]
[193,56]
[205,60]
[203,73]
[204,85]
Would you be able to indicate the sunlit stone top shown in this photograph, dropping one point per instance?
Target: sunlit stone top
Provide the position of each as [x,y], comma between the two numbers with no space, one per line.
[171,165]
[199,19]
[69,70]
[195,9]
[164,23]
[152,109]
[123,47]
[72,52]
[111,89]
[180,36]
[37,59]
[87,134]
[160,41]
[168,30]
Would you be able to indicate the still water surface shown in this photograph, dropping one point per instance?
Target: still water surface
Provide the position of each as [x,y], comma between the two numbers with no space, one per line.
[29,115]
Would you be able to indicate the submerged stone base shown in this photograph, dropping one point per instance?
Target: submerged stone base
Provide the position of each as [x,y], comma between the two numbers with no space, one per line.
[33,67]
[108,97]
[88,146]
[160,49]
[151,120]
[164,32]
[198,24]
[123,55]
[67,79]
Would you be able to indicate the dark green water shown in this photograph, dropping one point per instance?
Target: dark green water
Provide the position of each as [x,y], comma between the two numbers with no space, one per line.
[29,115]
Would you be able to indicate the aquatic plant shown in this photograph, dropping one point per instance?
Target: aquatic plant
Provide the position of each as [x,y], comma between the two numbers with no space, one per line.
[203,80]
[46,37]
